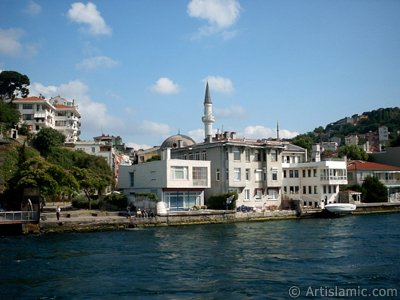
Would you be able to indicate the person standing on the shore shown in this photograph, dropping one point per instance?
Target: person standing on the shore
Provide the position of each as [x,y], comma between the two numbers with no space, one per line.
[58,211]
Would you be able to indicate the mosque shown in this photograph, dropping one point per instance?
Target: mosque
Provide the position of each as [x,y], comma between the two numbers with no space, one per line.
[263,172]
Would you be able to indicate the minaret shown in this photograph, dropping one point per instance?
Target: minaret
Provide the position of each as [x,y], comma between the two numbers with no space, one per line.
[277,131]
[208,117]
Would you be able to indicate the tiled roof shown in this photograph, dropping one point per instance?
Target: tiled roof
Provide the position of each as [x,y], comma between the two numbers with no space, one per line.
[32,98]
[353,165]
[62,106]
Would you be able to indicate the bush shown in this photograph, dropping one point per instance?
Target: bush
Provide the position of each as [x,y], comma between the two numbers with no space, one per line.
[114,202]
[82,202]
[219,201]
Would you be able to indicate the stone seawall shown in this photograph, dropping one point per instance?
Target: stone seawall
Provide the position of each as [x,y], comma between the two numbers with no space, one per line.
[96,222]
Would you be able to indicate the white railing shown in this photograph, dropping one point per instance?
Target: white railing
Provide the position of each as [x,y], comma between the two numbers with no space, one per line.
[22,216]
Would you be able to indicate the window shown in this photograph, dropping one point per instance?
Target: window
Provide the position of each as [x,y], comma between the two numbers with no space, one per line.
[284,173]
[179,173]
[247,153]
[285,189]
[27,106]
[304,173]
[291,173]
[247,174]
[199,176]
[258,193]
[203,155]
[274,155]
[296,173]
[237,174]
[274,174]
[218,175]
[315,189]
[93,149]
[324,189]
[27,117]
[258,174]
[236,153]
[309,172]
[272,194]
[315,172]
[310,189]
[227,174]
[131,179]
[304,190]
[246,194]
[257,156]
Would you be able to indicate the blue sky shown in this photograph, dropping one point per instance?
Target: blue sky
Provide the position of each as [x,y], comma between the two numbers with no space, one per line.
[138,68]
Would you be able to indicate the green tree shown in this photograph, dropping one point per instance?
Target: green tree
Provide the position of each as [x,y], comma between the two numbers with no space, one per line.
[9,114]
[53,181]
[13,84]
[305,141]
[353,152]
[375,191]
[46,140]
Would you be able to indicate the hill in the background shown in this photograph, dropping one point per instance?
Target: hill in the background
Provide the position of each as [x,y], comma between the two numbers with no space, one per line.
[362,124]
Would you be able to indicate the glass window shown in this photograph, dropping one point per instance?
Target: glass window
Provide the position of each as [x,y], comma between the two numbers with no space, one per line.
[315,172]
[246,194]
[257,156]
[296,173]
[179,173]
[247,174]
[304,173]
[258,174]
[218,175]
[236,153]
[199,176]
[258,193]
[131,179]
[274,155]
[304,190]
[237,175]
[27,106]
[247,155]
[274,174]
[272,194]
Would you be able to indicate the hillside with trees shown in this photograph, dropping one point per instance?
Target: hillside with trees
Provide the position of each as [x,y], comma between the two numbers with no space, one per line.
[356,124]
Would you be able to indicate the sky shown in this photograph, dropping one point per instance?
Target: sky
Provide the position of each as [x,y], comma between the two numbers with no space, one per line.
[138,69]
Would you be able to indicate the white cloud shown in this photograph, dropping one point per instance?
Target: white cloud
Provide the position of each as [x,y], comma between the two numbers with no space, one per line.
[89,15]
[138,146]
[96,63]
[165,86]
[33,8]
[95,117]
[11,45]
[237,112]
[153,128]
[9,41]
[220,14]
[260,132]
[220,84]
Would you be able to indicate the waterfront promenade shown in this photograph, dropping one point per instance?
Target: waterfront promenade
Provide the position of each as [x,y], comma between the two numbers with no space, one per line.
[75,220]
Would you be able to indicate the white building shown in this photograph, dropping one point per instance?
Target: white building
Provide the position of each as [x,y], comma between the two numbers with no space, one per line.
[311,182]
[57,113]
[179,184]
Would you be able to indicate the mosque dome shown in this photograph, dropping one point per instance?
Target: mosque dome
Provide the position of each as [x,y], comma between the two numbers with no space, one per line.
[178,141]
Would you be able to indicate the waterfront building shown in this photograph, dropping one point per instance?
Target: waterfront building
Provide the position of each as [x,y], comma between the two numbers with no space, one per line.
[57,113]
[310,182]
[179,184]
[388,175]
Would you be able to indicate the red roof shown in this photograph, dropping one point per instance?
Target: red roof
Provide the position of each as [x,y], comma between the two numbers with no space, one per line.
[353,165]
[32,98]
[64,106]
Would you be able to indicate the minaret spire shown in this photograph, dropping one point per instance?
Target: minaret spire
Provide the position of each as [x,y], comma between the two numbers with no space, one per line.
[208,117]
[277,130]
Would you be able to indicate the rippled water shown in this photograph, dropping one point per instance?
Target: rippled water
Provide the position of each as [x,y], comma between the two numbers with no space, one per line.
[255,260]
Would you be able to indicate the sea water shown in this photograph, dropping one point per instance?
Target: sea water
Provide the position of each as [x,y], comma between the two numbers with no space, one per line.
[350,257]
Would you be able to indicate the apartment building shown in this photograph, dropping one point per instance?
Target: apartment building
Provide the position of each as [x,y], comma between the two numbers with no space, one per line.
[57,113]
[388,175]
[311,181]
[179,184]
